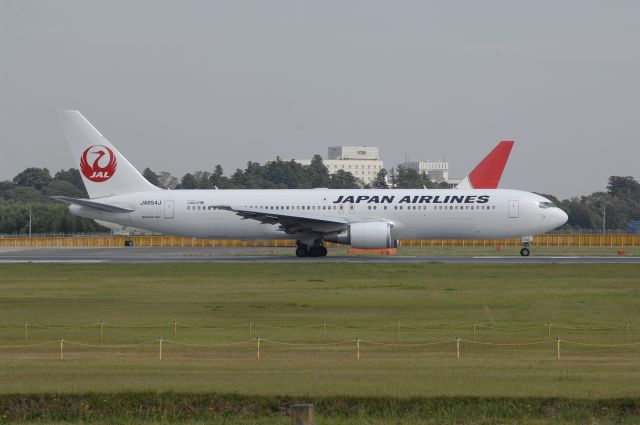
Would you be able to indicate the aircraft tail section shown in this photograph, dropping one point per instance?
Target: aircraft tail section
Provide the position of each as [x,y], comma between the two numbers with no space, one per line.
[488,172]
[105,172]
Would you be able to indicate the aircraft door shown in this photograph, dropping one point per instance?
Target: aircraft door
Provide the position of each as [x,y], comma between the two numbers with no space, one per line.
[168,209]
[514,209]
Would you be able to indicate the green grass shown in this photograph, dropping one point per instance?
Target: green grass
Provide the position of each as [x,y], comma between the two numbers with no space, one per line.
[220,409]
[214,303]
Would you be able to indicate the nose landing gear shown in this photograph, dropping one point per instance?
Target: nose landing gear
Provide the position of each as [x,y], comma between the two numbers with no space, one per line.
[526,243]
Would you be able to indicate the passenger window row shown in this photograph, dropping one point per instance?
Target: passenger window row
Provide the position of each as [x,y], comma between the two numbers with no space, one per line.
[370,207]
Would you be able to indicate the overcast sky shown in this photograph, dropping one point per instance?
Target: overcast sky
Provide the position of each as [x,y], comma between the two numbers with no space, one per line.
[184,85]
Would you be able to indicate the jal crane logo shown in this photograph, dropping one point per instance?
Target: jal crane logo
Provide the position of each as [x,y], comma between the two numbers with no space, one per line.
[96,172]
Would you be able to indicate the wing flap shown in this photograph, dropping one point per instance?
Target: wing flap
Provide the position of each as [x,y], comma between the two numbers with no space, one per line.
[290,221]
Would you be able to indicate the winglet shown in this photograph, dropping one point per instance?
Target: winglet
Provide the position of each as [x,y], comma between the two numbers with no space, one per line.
[488,172]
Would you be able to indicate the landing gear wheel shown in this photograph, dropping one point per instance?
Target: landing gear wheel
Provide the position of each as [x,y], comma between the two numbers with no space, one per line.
[301,251]
[525,252]
[315,251]
[323,251]
[128,243]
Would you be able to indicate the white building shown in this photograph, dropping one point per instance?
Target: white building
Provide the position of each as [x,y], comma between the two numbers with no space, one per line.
[438,171]
[358,153]
[361,161]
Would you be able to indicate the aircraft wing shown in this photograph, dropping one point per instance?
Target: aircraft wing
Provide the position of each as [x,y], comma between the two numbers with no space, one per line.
[290,221]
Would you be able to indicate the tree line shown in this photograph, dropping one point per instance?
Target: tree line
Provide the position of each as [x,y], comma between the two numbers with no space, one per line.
[620,204]
[281,174]
[30,191]
[32,188]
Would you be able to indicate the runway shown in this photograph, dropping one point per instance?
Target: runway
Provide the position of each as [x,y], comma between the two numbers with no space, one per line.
[145,255]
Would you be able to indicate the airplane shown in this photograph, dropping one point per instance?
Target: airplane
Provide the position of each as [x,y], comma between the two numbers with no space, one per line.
[362,218]
[486,175]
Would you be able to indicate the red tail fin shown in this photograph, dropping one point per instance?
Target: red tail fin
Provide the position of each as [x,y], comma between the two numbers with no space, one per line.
[488,172]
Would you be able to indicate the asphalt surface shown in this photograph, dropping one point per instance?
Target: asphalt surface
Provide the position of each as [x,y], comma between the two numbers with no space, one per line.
[269,255]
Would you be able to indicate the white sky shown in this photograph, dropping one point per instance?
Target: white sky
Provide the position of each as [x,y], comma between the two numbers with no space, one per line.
[182,86]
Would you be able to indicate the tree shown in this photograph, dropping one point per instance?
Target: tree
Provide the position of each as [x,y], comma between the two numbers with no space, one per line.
[72,175]
[188,182]
[4,187]
[624,187]
[151,176]
[343,180]
[167,181]
[287,174]
[409,178]
[380,182]
[33,177]
[393,178]
[218,179]
[318,173]
[62,188]
[203,180]
[21,194]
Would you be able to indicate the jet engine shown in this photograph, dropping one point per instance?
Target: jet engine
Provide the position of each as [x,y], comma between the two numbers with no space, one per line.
[368,235]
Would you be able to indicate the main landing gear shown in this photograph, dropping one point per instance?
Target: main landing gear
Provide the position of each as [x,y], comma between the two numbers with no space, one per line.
[128,242]
[526,243]
[315,250]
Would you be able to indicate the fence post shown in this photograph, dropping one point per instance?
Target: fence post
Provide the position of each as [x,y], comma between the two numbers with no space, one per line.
[549,331]
[258,348]
[458,348]
[160,347]
[26,331]
[474,331]
[324,328]
[250,328]
[101,329]
[626,327]
[303,414]
[398,332]
[175,329]
[558,349]
[357,348]
[61,348]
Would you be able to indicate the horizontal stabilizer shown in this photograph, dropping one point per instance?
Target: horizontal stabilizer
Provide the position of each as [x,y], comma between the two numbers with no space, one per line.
[92,204]
[488,172]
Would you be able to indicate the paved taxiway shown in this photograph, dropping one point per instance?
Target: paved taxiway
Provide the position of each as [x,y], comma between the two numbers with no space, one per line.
[268,255]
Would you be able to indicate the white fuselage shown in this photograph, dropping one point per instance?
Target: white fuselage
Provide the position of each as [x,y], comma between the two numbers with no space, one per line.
[413,213]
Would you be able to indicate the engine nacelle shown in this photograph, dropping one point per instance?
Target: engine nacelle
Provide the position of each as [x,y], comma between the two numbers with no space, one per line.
[369,235]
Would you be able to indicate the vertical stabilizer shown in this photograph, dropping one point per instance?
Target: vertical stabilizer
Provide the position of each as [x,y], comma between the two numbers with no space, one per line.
[488,172]
[105,172]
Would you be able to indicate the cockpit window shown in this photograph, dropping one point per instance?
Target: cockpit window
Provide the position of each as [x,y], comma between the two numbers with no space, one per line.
[546,205]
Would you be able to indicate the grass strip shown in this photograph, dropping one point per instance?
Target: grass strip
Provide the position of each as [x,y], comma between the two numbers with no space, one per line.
[170,406]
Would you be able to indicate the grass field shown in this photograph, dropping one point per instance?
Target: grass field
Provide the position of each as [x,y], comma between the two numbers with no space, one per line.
[214,303]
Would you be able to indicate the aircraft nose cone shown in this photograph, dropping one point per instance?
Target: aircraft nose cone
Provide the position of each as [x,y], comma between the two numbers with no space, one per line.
[562,217]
